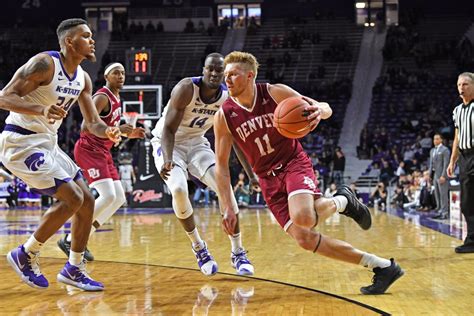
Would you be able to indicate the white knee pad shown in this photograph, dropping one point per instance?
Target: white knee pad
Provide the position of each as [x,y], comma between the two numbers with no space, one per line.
[178,185]
[209,179]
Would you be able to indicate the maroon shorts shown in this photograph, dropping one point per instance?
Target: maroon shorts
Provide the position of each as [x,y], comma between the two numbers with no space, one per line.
[96,163]
[296,177]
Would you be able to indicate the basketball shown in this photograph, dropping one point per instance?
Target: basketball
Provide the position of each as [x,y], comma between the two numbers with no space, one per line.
[289,118]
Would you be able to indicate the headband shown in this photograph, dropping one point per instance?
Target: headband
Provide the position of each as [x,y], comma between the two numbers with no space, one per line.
[108,69]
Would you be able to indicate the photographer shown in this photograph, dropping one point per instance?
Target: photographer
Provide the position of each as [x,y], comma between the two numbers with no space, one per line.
[241,191]
[379,196]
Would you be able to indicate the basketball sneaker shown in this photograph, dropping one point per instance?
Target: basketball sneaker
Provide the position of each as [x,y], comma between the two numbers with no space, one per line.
[383,278]
[205,261]
[77,276]
[65,246]
[26,265]
[355,209]
[241,263]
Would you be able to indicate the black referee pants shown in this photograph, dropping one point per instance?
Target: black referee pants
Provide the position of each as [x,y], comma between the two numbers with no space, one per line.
[466,177]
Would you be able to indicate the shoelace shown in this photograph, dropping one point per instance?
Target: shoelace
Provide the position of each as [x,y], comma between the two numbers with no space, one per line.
[241,258]
[203,255]
[33,261]
[83,273]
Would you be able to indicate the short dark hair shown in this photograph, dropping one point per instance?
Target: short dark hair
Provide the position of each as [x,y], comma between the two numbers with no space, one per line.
[439,134]
[68,24]
[214,55]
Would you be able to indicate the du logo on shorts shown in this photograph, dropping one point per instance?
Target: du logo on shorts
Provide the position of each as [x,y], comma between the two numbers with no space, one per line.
[34,161]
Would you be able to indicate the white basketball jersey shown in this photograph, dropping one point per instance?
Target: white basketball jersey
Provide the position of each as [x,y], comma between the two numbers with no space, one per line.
[198,116]
[62,90]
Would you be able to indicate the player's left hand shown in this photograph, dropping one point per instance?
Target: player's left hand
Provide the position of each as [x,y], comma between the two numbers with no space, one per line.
[229,220]
[113,133]
[315,112]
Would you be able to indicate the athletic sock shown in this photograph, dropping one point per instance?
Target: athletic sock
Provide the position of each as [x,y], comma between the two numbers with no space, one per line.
[236,243]
[372,261]
[32,245]
[196,240]
[75,258]
[341,202]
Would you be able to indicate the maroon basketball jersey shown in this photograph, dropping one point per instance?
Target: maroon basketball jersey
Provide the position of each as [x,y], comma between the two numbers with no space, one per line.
[253,132]
[111,119]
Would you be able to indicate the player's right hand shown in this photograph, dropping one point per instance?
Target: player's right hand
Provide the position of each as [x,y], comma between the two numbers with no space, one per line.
[165,170]
[54,113]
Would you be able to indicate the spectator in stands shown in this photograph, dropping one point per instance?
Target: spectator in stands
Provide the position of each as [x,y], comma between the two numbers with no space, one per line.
[339,165]
[201,190]
[140,28]
[399,198]
[150,28]
[189,28]
[331,190]
[159,27]
[378,198]
[427,201]
[425,143]
[225,24]
[256,197]
[242,191]
[401,169]
[439,161]
[201,29]
[353,187]
[386,173]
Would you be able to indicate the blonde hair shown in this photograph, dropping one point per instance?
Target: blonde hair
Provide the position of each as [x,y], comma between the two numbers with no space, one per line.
[469,75]
[248,59]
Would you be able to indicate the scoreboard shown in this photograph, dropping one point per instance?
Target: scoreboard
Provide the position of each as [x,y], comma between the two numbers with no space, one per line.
[138,62]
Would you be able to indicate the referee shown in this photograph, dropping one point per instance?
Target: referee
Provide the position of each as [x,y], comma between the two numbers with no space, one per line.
[463,153]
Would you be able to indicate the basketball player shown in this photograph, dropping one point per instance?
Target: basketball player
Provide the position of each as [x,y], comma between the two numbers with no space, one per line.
[92,154]
[41,93]
[285,171]
[179,147]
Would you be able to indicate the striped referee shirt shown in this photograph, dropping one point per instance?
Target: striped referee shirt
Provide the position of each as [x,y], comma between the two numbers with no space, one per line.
[464,121]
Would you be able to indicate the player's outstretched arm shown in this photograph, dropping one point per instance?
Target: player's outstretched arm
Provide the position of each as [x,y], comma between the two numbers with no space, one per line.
[181,95]
[36,72]
[223,144]
[92,120]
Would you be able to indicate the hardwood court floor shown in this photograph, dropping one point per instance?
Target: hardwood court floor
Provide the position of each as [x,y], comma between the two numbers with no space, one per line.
[146,264]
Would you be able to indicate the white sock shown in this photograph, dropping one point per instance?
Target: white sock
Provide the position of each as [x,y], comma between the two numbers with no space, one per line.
[372,261]
[68,238]
[341,202]
[196,240]
[75,258]
[32,245]
[236,242]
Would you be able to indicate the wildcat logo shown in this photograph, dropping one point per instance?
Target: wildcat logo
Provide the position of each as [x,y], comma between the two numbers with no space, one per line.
[35,161]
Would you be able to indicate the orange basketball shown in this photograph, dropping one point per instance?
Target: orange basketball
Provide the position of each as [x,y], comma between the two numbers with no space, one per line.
[290,119]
